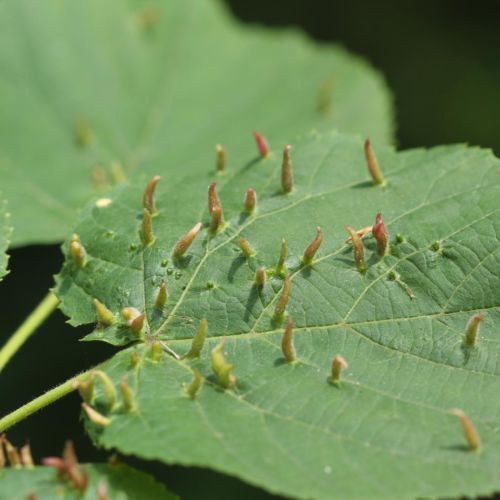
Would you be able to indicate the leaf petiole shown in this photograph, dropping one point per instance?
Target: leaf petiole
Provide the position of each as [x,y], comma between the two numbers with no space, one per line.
[27,328]
[40,402]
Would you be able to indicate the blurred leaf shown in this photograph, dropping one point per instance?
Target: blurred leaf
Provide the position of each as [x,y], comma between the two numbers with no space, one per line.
[386,431]
[155,85]
[41,483]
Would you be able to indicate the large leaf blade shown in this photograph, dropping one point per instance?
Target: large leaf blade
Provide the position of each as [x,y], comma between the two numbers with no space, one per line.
[386,432]
[163,96]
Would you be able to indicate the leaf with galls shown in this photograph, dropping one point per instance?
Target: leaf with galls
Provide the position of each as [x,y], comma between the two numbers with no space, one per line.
[380,428]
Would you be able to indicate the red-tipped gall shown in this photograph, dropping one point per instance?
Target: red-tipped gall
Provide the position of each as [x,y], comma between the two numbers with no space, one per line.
[213,199]
[148,198]
[338,364]
[472,329]
[134,318]
[281,303]
[185,242]
[381,236]
[262,145]
[313,247]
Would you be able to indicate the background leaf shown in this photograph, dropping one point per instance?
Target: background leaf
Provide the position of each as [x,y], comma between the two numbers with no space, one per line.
[5,233]
[386,432]
[123,482]
[154,84]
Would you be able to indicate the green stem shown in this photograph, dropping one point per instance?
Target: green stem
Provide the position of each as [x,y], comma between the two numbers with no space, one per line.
[29,326]
[40,402]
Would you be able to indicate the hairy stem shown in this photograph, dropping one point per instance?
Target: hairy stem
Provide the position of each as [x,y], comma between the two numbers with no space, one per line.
[28,327]
[40,402]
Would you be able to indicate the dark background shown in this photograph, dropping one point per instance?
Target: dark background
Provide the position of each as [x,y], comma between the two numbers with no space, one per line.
[442,61]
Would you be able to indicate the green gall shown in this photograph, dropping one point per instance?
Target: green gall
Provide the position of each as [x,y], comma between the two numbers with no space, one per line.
[287,343]
[104,316]
[127,396]
[195,385]
[221,368]
[95,417]
[108,386]
[286,171]
[358,249]
[220,162]
[245,247]
[260,276]
[373,166]
[162,296]
[198,340]
[147,228]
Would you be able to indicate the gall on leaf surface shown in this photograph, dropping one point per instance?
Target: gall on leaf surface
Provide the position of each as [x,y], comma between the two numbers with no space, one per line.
[385,431]
[94,91]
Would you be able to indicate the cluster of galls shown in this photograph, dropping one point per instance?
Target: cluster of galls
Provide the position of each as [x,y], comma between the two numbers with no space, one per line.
[16,458]
[220,367]
[67,467]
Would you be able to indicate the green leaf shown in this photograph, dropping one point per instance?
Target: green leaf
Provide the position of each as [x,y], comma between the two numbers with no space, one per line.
[122,482]
[386,431]
[155,96]
[5,232]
